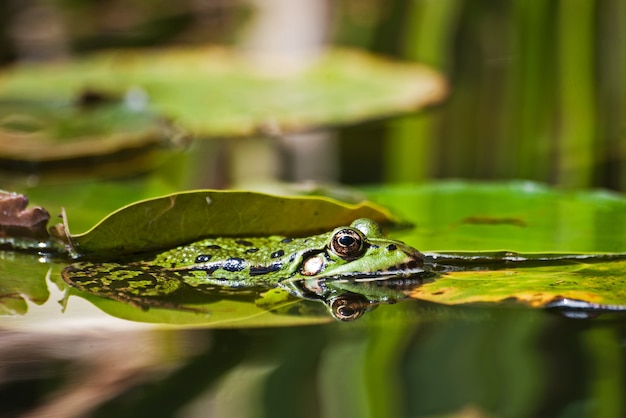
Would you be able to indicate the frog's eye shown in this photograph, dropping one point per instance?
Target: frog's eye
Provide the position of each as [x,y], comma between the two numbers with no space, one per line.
[347,244]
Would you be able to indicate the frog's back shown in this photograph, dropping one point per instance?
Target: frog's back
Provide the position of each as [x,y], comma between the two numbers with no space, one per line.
[257,259]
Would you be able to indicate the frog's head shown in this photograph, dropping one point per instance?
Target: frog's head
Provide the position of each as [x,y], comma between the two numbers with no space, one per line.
[360,251]
[356,260]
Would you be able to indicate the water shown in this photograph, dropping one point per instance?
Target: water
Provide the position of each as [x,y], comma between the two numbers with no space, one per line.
[412,359]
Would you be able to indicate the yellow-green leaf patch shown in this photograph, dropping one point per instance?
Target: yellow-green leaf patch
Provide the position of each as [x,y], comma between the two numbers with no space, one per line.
[596,283]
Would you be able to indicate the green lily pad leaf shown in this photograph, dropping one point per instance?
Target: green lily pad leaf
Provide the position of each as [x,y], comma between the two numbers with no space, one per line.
[523,217]
[59,135]
[179,218]
[22,279]
[215,92]
[599,283]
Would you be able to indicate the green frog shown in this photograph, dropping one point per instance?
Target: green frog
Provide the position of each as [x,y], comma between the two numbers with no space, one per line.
[343,268]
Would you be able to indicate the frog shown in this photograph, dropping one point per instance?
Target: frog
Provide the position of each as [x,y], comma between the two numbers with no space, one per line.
[342,268]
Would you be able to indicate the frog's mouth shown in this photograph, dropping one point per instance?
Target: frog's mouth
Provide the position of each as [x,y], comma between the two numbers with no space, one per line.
[409,267]
[382,276]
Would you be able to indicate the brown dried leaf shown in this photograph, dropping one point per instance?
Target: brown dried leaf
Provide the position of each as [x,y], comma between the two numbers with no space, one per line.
[16,221]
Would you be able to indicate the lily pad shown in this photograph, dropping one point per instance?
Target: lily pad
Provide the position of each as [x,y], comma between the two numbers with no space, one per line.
[550,284]
[526,217]
[179,218]
[52,134]
[215,92]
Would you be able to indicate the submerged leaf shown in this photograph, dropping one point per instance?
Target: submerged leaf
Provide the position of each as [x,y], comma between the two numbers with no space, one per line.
[180,218]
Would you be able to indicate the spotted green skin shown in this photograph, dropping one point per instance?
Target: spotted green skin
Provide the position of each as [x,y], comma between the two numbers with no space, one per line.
[219,263]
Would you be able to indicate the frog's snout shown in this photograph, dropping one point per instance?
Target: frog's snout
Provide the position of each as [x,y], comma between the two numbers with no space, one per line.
[413,258]
[416,255]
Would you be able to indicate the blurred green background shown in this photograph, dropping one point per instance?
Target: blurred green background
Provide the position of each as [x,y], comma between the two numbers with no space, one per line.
[537,90]
[537,87]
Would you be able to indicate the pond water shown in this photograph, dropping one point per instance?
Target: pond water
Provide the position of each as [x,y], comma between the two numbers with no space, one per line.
[410,359]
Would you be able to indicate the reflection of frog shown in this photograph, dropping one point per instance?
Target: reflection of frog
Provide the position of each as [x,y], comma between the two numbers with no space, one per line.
[344,268]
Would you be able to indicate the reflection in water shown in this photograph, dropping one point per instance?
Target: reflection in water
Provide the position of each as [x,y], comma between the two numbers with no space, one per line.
[59,374]
[407,360]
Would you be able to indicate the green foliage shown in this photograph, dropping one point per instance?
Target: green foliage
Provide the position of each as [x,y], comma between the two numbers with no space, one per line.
[539,91]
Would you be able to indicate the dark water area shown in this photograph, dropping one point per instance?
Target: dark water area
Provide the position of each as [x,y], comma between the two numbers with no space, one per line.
[406,360]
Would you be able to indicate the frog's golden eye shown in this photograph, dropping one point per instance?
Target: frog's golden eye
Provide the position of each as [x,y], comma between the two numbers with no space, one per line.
[347,244]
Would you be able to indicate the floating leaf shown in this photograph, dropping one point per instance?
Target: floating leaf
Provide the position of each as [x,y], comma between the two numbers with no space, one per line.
[171,220]
[597,283]
[61,135]
[516,216]
[215,92]
[487,211]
